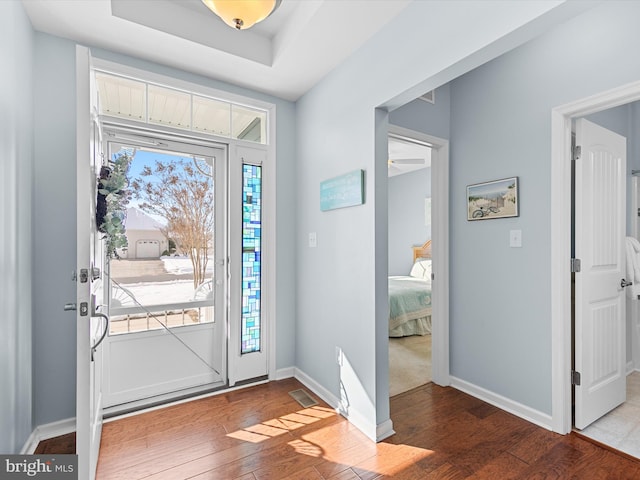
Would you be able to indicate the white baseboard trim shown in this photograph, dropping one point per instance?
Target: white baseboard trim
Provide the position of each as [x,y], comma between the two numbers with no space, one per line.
[384,430]
[356,418]
[527,413]
[316,388]
[630,368]
[46,431]
[283,373]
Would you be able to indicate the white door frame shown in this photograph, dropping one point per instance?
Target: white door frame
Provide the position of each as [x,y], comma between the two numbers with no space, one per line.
[439,250]
[269,197]
[632,307]
[560,215]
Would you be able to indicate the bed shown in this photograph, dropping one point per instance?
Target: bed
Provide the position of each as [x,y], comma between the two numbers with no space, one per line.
[410,297]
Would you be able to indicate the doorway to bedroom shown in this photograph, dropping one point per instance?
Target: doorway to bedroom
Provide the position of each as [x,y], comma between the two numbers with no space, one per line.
[409,227]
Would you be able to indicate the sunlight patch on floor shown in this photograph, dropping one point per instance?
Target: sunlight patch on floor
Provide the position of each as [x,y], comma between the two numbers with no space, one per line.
[277,426]
[391,459]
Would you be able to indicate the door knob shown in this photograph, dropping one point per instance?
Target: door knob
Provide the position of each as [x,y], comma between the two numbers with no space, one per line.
[70,307]
[624,283]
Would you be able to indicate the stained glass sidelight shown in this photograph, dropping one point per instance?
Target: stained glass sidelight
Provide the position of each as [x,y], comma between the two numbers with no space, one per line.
[251,256]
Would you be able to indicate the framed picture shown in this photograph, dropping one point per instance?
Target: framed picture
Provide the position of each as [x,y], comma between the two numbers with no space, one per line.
[344,191]
[496,199]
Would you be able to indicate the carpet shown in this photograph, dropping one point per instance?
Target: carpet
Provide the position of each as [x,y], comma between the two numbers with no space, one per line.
[409,363]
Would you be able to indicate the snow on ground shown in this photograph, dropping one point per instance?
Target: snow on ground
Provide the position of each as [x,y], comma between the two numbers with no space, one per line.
[157,293]
[182,265]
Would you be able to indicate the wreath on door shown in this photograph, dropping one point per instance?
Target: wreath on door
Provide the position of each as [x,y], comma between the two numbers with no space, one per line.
[111,204]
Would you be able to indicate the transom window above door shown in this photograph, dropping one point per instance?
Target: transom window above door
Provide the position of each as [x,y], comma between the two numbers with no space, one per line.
[141,101]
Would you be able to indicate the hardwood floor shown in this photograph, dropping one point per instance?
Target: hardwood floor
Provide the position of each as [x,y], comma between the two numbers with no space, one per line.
[262,433]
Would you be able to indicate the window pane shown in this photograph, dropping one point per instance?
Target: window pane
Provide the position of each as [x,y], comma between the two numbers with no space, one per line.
[121,97]
[211,116]
[251,257]
[164,278]
[169,107]
[249,124]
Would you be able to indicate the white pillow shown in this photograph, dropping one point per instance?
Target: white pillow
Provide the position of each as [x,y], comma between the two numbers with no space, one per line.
[421,269]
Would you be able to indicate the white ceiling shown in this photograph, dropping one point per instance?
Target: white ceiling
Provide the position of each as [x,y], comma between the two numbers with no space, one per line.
[285,55]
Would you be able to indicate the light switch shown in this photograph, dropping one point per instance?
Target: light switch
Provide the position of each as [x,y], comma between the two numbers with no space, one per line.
[313,240]
[515,238]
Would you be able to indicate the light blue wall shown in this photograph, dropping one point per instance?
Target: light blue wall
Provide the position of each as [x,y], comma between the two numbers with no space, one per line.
[16,170]
[344,301]
[430,118]
[54,216]
[407,217]
[54,337]
[423,117]
[500,127]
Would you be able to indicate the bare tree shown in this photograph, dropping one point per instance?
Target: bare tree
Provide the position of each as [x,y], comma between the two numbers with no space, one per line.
[184,197]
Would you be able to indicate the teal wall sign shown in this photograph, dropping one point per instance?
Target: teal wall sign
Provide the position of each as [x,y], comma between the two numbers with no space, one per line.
[344,191]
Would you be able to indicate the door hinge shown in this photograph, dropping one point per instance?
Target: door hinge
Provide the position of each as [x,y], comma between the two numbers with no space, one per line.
[575,265]
[577,152]
[575,378]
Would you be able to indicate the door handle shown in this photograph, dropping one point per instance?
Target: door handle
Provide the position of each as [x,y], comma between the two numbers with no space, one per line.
[625,283]
[104,334]
[70,307]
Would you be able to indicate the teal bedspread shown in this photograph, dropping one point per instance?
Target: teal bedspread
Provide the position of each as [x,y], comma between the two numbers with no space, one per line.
[409,299]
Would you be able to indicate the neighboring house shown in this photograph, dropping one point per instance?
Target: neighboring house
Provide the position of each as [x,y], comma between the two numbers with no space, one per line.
[502,90]
[144,235]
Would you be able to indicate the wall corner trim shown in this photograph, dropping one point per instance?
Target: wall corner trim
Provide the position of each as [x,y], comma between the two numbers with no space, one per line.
[384,430]
[360,421]
[46,431]
[283,373]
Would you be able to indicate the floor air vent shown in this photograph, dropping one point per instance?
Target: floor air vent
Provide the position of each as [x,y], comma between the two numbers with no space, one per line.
[303,398]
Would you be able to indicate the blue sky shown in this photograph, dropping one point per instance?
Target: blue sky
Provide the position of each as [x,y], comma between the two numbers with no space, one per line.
[142,158]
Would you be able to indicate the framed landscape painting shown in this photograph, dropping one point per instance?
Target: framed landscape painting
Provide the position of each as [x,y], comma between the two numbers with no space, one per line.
[496,199]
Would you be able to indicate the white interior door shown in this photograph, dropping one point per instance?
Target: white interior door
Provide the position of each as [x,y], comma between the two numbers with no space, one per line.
[599,296]
[91,324]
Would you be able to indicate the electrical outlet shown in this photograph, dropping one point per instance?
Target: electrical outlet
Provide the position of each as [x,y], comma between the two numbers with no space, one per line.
[313,240]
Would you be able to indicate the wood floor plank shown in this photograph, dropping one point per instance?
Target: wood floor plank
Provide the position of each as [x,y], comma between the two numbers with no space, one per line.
[261,433]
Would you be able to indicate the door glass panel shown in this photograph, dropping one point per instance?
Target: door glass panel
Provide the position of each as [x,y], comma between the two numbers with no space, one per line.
[138,100]
[248,124]
[164,277]
[211,116]
[169,107]
[122,97]
[251,257]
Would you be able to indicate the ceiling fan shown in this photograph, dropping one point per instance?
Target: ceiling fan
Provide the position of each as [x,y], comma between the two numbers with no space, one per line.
[405,161]
[399,165]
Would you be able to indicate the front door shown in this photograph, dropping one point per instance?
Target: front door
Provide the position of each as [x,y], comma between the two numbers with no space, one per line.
[92,320]
[600,226]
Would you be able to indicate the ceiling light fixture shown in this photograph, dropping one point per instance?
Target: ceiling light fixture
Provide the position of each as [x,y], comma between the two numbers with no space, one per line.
[242,14]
